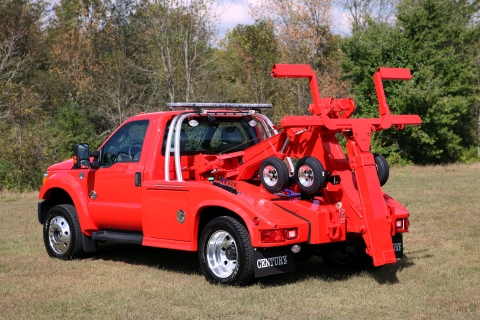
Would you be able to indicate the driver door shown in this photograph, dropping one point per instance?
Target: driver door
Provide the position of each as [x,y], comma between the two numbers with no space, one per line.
[115,200]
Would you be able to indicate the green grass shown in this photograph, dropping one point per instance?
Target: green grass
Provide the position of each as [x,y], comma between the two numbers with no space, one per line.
[438,278]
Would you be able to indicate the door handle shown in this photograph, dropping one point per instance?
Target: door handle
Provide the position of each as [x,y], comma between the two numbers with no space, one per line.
[138,179]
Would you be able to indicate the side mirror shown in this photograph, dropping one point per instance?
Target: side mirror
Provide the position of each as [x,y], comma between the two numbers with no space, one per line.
[81,156]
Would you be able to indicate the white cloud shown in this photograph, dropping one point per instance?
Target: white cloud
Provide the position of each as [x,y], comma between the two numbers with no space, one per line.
[232,13]
[340,23]
[235,12]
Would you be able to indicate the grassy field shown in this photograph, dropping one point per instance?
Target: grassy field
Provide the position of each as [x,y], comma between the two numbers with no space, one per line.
[438,278]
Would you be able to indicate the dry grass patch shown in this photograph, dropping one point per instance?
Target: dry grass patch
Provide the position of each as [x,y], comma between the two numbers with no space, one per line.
[438,278]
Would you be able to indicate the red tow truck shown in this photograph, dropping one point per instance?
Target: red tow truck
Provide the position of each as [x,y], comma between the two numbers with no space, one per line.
[220,179]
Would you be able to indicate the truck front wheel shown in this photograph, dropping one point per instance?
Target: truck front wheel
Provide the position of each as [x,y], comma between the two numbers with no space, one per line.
[61,233]
[226,253]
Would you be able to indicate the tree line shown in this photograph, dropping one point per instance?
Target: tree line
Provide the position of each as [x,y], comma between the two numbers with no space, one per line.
[75,71]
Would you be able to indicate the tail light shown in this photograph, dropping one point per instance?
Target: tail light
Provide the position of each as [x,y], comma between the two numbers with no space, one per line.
[278,235]
[269,236]
[401,225]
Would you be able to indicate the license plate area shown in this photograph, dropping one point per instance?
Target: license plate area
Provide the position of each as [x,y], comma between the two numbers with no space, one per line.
[398,245]
[268,261]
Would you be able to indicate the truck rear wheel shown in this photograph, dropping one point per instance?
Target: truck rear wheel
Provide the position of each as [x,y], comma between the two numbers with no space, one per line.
[226,253]
[347,256]
[61,233]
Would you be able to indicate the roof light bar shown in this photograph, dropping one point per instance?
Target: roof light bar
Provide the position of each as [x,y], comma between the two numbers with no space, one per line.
[201,105]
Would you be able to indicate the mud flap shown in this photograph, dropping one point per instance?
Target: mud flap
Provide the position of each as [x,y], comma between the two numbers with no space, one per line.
[270,261]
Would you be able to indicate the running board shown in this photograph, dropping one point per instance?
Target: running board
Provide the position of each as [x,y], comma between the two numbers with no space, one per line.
[118,236]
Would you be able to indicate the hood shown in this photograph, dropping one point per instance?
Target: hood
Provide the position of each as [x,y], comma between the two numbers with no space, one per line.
[64,165]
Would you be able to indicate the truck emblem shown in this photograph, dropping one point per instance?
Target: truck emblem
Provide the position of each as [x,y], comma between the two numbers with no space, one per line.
[180,216]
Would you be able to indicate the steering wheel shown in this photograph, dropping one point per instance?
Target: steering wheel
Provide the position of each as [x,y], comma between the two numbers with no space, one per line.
[131,147]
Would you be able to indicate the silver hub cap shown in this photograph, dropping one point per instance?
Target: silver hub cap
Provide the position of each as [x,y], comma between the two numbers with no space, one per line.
[305,176]
[59,234]
[270,175]
[222,254]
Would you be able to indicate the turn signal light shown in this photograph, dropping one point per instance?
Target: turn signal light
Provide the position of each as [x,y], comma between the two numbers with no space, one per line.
[292,234]
[278,235]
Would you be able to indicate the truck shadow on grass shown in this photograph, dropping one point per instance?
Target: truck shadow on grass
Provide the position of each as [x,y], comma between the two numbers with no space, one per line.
[164,259]
[315,268]
[187,263]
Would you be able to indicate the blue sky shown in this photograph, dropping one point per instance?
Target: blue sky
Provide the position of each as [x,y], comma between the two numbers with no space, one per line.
[236,12]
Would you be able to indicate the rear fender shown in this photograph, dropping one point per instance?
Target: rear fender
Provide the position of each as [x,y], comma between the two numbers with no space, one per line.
[236,210]
[74,189]
[265,223]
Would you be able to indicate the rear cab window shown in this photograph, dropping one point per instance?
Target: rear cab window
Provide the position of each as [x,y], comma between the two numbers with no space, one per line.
[221,135]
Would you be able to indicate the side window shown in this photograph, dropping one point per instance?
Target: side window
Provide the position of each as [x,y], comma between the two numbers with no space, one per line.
[126,144]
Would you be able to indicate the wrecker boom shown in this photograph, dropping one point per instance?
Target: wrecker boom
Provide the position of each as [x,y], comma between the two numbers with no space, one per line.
[358,192]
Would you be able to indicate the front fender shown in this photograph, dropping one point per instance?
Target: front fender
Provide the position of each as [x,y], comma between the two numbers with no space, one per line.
[75,190]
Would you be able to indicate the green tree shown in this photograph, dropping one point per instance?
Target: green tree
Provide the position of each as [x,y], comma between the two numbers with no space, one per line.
[434,39]
[21,106]
[249,51]
[180,35]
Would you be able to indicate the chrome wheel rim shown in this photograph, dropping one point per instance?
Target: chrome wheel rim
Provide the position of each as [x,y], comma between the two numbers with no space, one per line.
[59,235]
[270,175]
[222,254]
[306,176]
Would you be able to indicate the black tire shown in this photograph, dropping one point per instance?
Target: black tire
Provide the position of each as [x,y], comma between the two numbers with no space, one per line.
[383,171]
[273,174]
[305,254]
[310,175]
[226,253]
[62,235]
[347,256]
